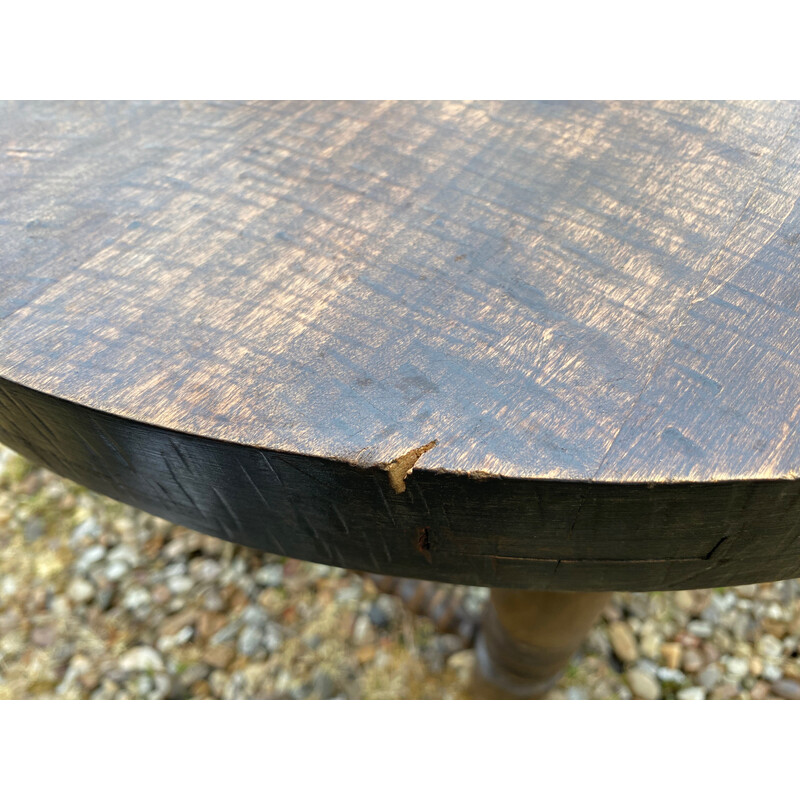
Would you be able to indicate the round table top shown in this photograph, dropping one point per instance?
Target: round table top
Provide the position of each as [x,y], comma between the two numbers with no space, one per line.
[576,322]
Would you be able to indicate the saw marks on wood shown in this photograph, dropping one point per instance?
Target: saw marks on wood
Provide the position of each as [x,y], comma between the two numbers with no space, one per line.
[597,292]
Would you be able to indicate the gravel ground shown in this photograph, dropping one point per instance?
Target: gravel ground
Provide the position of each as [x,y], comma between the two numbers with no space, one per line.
[99,600]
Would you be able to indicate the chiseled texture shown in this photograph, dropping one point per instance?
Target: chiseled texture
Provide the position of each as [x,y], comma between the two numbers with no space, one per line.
[598,292]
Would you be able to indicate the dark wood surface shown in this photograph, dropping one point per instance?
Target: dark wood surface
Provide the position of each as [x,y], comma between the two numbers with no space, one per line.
[577,322]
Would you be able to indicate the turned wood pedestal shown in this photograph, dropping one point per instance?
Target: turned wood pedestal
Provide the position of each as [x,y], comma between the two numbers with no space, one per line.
[550,348]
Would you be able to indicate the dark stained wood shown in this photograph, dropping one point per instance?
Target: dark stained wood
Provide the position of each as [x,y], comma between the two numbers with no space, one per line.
[577,322]
[517,533]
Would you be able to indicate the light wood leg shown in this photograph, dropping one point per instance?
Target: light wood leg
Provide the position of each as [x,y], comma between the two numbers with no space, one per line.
[527,637]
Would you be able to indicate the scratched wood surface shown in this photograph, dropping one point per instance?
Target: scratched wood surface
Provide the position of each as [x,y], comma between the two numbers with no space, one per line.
[576,322]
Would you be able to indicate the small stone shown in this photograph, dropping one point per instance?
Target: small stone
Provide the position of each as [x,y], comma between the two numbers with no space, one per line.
[643,685]
[270,575]
[198,672]
[90,556]
[722,639]
[124,553]
[324,686]
[273,638]
[226,633]
[218,681]
[769,647]
[671,653]
[775,612]
[179,584]
[577,693]
[650,645]
[166,643]
[692,693]
[740,626]
[772,673]
[650,667]
[684,600]
[43,636]
[205,569]
[362,631]
[760,690]
[710,677]
[249,641]
[756,666]
[80,591]
[34,529]
[382,611]
[742,650]
[787,689]
[219,655]
[161,594]
[623,642]
[725,691]
[117,570]
[462,662]
[692,661]
[88,529]
[212,600]
[724,601]
[141,658]
[700,628]
[737,667]
[667,675]
[596,642]
[255,615]
[135,598]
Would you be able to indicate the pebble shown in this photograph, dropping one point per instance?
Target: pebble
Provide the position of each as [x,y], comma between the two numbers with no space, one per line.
[273,638]
[772,672]
[270,575]
[381,612]
[667,675]
[141,658]
[33,530]
[643,685]
[463,663]
[692,693]
[219,655]
[180,584]
[136,597]
[249,641]
[725,691]
[623,642]
[769,647]
[324,686]
[88,529]
[117,570]
[760,690]
[671,653]
[692,661]
[787,689]
[90,556]
[700,628]
[736,667]
[650,645]
[80,591]
[363,632]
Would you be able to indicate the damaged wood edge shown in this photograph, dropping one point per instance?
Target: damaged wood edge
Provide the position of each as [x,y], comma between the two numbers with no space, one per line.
[401,467]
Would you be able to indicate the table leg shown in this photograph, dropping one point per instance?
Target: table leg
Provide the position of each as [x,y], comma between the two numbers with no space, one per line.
[527,637]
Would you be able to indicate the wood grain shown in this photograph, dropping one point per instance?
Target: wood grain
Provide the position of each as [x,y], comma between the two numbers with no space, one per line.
[593,307]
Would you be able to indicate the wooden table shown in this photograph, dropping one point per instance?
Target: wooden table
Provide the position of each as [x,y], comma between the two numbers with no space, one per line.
[577,323]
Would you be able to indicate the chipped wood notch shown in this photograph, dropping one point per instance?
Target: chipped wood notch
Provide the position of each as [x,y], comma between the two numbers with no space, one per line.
[401,467]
